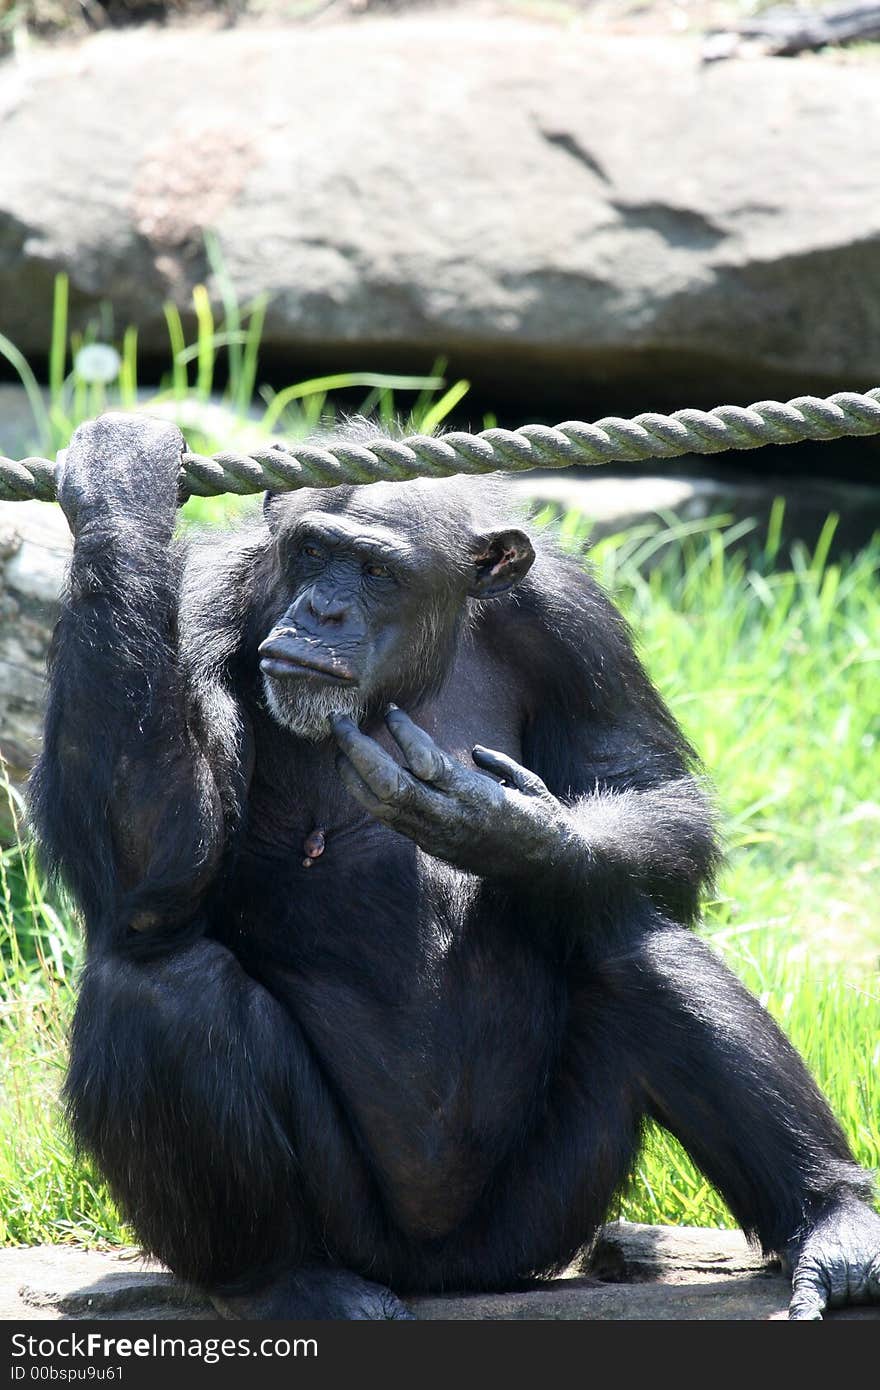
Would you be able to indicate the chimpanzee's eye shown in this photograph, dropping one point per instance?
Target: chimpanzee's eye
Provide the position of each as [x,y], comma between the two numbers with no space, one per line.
[312,551]
[377,571]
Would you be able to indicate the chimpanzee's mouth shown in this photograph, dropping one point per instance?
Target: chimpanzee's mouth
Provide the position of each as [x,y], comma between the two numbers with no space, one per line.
[287,654]
[289,666]
[281,668]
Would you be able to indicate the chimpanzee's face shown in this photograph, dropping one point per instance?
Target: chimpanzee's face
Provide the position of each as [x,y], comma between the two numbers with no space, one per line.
[363,617]
[373,613]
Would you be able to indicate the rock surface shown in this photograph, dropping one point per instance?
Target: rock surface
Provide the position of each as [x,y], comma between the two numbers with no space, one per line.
[34,550]
[612,503]
[655,1272]
[554,210]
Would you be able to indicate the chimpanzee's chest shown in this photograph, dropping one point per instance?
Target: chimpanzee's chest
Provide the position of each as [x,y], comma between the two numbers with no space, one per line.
[320,883]
[313,900]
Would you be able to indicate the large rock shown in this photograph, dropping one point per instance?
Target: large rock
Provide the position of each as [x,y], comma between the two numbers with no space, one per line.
[34,550]
[562,213]
[637,1272]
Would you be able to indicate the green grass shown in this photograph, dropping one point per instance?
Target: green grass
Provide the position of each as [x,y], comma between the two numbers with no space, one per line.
[773,666]
[45,1194]
[212,388]
[774,673]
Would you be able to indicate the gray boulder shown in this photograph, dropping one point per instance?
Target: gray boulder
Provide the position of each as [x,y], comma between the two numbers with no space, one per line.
[660,1273]
[600,218]
[34,550]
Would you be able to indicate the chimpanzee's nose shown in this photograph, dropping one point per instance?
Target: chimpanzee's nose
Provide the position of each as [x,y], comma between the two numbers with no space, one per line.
[327,607]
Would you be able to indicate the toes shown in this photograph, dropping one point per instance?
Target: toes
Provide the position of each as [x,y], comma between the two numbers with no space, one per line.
[392,1308]
[374,1303]
[810,1294]
[805,1310]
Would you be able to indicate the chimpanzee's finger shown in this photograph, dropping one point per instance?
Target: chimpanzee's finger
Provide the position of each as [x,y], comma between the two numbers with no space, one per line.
[529,783]
[809,1295]
[414,823]
[423,758]
[358,788]
[385,778]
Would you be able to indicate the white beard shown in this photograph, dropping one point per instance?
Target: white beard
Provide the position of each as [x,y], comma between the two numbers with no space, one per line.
[306,708]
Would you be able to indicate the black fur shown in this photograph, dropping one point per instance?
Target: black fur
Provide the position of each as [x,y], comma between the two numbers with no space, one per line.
[382,1064]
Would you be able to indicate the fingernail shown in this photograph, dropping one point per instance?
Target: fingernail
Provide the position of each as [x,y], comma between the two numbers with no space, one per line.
[391,708]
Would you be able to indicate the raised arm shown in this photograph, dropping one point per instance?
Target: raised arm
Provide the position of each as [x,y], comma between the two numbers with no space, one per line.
[124,800]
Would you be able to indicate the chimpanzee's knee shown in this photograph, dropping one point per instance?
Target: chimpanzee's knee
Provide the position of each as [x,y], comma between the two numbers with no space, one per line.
[180,1087]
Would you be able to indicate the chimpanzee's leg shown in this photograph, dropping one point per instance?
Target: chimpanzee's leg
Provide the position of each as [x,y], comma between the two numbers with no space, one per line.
[554,1190]
[661,1028]
[719,1074]
[200,1100]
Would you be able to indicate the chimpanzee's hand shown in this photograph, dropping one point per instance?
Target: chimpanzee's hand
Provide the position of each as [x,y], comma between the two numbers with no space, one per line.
[837,1262]
[450,811]
[125,467]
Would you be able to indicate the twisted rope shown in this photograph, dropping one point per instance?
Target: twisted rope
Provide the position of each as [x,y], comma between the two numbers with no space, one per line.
[283,467]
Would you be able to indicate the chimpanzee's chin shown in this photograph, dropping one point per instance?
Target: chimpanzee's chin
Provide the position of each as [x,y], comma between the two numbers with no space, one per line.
[305,706]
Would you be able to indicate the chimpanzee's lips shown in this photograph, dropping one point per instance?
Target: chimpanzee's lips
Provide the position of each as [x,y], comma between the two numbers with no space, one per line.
[286,666]
[288,654]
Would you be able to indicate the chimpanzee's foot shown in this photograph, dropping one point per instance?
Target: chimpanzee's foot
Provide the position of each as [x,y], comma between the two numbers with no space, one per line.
[314,1292]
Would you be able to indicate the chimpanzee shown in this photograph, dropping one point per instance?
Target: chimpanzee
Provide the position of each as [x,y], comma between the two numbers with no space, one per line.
[388,853]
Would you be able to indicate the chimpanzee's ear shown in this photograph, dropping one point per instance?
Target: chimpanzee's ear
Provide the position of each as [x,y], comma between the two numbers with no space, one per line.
[499,561]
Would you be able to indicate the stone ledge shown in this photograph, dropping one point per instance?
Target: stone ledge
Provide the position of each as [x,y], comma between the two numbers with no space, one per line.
[579,219]
[636,1272]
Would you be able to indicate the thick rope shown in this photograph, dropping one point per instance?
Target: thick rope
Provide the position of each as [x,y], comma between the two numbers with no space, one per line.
[282,467]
